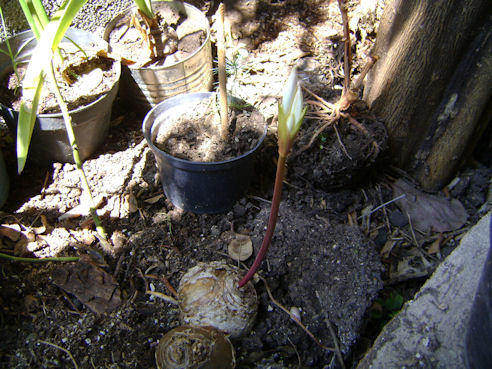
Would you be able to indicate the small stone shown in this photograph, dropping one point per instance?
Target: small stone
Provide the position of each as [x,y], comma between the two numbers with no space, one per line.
[397,219]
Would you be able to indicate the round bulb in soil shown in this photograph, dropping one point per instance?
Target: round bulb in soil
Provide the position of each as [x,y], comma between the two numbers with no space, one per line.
[208,296]
[188,347]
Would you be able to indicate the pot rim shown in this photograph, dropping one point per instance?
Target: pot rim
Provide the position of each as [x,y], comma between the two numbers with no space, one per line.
[80,108]
[149,121]
[109,27]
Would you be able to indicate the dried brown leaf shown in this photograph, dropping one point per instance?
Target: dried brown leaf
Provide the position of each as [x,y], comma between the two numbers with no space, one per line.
[153,199]
[94,287]
[11,231]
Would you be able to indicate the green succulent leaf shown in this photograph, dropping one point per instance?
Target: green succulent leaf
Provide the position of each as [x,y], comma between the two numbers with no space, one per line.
[25,125]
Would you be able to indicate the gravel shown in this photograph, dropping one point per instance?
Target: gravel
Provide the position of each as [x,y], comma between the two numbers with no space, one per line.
[93,16]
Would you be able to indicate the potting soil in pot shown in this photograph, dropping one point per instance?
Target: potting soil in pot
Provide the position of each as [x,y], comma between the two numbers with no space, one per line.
[84,77]
[195,134]
[179,38]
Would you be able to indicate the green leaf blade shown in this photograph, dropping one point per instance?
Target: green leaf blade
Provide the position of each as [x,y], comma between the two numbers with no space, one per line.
[145,6]
[25,126]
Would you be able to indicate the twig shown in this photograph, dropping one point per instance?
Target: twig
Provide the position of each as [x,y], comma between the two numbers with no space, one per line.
[164,280]
[383,205]
[370,60]
[311,141]
[71,302]
[259,199]
[414,238]
[62,349]
[43,189]
[162,296]
[386,218]
[321,100]
[297,353]
[333,336]
[294,318]
[341,143]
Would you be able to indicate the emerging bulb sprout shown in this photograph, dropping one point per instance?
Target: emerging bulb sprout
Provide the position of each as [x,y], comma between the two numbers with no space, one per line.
[188,347]
[208,296]
[291,112]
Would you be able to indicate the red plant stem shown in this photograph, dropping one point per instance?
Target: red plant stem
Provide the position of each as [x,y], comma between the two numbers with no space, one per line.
[272,221]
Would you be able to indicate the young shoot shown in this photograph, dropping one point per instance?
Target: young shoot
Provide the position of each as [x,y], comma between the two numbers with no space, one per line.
[291,112]
[145,6]
[150,31]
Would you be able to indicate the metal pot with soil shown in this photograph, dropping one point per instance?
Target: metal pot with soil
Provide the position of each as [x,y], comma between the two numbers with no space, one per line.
[200,172]
[93,79]
[164,55]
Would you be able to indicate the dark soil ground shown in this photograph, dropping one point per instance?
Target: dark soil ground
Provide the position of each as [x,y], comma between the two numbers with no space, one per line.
[344,256]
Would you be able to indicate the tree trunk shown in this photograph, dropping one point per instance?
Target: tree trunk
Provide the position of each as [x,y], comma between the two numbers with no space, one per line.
[432,83]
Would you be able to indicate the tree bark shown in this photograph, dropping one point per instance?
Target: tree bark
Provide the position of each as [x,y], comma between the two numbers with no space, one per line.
[429,86]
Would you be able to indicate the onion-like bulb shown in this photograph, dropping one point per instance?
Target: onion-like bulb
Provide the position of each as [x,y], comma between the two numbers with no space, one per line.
[208,296]
[188,347]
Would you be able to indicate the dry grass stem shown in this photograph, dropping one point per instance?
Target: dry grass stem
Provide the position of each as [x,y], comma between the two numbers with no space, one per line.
[62,349]
[162,296]
[164,280]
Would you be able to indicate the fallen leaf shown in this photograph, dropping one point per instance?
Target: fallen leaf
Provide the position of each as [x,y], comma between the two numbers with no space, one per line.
[11,231]
[435,247]
[388,246]
[154,199]
[94,287]
[429,212]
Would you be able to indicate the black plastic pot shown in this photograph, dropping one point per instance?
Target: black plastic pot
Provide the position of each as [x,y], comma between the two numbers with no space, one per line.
[4,181]
[49,142]
[203,188]
[478,345]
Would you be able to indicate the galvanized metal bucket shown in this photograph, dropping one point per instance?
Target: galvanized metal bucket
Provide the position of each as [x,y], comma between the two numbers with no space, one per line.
[147,86]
